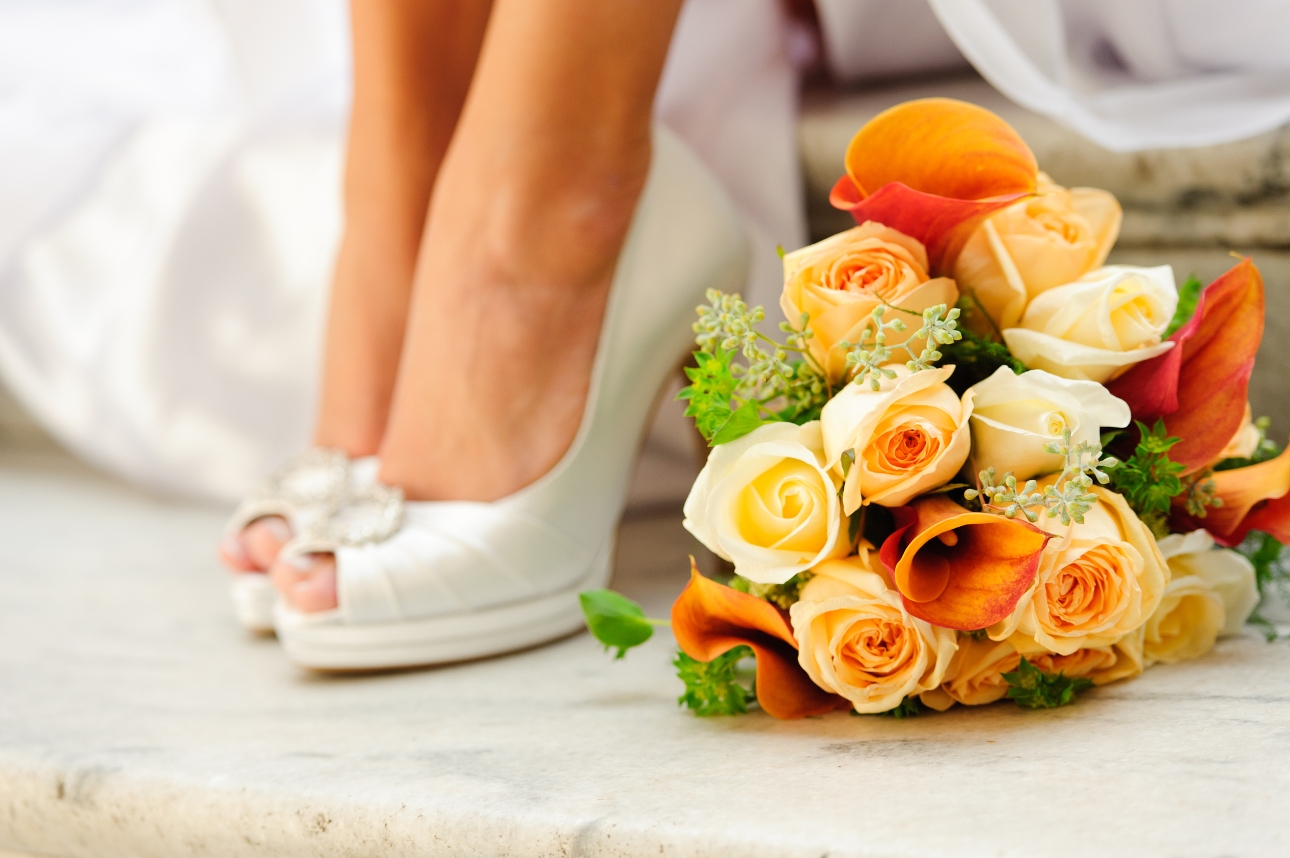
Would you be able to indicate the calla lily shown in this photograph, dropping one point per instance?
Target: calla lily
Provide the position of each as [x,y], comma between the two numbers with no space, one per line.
[905,169]
[710,619]
[1200,386]
[1254,498]
[960,569]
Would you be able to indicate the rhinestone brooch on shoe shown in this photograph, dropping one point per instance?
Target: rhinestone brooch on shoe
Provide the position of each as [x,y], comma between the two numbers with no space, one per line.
[368,514]
[317,476]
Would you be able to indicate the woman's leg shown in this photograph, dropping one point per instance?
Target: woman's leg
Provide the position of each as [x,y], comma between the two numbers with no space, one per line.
[413,63]
[533,204]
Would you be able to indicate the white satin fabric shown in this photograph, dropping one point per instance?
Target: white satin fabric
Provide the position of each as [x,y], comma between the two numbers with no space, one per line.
[169,211]
[169,178]
[1127,74]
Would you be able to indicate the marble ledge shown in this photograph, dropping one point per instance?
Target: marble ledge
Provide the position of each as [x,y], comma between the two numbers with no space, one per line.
[137,720]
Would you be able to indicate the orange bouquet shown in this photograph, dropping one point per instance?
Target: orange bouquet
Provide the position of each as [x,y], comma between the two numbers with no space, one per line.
[982,463]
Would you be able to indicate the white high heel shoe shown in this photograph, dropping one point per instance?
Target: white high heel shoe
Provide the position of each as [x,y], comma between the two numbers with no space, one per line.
[306,490]
[463,579]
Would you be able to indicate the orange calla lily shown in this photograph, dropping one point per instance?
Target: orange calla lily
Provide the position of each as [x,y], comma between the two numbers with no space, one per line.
[1254,498]
[933,169]
[710,619]
[960,569]
[1200,386]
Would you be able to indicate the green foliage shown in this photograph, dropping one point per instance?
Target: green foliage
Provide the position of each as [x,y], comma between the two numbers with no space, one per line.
[1188,296]
[907,708]
[1068,497]
[616,621]
[1148,479]
[711,386]
[1264,450]
[1032,688]
[713,687]
[976,357]
[745,419]
[1271,573]
[730,397]
[782,595]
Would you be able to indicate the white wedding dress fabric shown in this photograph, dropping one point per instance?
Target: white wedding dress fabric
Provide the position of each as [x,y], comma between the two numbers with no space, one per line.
[170,173]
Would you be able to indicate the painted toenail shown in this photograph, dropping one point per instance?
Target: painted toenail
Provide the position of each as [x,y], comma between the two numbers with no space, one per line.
[278,528]
[231,546]
[301,562]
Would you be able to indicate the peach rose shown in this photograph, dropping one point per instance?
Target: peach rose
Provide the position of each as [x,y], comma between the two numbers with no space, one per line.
[1098,326]
[855,638]
[975,675]
[838,282]
[1041,242]
[767,503]
[1096,583]
[908,437]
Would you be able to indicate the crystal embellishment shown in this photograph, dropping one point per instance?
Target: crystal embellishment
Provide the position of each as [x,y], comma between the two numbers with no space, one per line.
[317,476]
[367,514]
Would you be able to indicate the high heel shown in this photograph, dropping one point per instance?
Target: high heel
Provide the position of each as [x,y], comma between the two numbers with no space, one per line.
[465,579]
[306,490]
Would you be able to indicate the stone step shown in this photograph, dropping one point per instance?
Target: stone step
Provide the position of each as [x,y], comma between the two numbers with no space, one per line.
[138,721]
[1237,194]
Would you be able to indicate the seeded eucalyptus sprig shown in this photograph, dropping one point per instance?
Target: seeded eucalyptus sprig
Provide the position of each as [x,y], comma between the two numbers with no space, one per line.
[744,378]
[1068,497]
[867,359]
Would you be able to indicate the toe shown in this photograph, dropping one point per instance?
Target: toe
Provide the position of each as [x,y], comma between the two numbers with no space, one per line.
[232,553]
[263,539]
[307,582]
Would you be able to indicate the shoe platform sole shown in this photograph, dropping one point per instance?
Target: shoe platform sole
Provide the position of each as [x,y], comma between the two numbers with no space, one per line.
[327,643]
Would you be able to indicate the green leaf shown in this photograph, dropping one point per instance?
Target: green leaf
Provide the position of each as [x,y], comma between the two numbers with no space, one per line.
[712,385]
[737,425]
[907,708]
[975,357]
[1271,574]
[712,687]
[780,595]
[1188,295]
[1149,479]
[615,620]
[1032,688]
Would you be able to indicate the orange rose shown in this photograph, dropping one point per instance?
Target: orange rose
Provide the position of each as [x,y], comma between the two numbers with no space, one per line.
[975,675]
[1097,581]
[838,282]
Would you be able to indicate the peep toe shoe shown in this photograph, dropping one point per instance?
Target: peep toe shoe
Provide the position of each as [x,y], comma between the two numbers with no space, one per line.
[421,583]
[306,490]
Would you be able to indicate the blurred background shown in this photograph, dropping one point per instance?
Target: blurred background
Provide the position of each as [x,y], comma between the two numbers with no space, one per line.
[169,185]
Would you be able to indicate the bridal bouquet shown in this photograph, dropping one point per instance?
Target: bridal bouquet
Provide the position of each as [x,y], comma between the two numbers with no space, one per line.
[980,463]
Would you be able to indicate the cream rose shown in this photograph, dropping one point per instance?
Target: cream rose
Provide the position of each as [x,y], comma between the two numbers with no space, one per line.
[855,638]
[1097,583]
[1098,326]
[1014,416]
[1229,573]
[908,437]
[766,503]
[838,282]
[1246,440]
[975,675]
[1039,243]
[1186,623]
